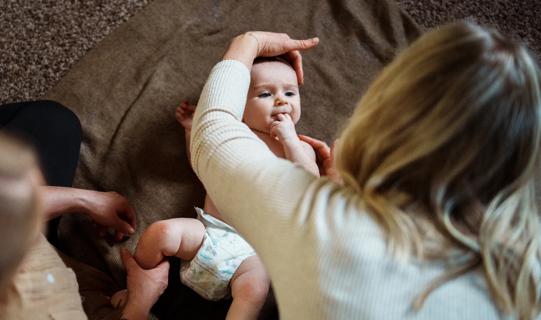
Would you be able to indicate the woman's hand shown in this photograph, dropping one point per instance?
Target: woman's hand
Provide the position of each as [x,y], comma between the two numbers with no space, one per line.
[110,210]
[106,209]
[144,286]
[325,157]
[246,47]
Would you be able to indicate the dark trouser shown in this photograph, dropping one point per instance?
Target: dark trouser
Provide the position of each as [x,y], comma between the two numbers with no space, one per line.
[55,133]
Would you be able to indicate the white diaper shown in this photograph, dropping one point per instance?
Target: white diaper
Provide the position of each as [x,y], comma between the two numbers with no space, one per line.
[220,255]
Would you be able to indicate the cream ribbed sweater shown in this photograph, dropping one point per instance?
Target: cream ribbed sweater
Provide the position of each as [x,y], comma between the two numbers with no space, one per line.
[325,255]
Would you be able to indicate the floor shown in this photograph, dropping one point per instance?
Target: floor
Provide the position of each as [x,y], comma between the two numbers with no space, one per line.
[41,39]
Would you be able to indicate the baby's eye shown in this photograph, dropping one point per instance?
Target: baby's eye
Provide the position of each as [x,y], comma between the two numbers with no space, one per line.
[264,95]
[290,94]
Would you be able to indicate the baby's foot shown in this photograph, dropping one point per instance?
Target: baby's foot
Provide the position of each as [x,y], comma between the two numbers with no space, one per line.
[119,299]
[184,114]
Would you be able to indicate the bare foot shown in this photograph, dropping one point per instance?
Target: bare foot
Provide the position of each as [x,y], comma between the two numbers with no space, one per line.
[184,114]
[119,299]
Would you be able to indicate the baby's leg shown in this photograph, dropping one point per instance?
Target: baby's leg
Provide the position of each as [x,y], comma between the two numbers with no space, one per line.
[249,288]
[180,237]
[184,115]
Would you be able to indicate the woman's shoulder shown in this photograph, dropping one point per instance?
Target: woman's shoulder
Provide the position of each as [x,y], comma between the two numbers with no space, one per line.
[44,286]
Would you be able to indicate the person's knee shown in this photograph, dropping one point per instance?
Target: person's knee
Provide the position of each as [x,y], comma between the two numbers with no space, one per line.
[157,238]
[48,118]
[60,118]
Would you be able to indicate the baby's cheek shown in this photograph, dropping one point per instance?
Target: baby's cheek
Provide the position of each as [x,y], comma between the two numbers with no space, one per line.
[295,116]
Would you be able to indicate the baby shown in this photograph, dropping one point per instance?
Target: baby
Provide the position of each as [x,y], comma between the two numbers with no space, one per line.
[217,262]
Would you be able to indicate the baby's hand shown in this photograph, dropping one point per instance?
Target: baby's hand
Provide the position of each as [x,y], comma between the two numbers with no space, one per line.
[283,128]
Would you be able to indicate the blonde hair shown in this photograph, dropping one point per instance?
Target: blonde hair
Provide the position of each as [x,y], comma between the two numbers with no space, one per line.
[443,149]
[19,216]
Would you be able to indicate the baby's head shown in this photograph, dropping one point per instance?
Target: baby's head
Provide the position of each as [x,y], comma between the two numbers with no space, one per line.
[273,89]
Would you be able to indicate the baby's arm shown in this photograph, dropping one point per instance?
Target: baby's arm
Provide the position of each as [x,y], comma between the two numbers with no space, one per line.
[296,151]
[180,237]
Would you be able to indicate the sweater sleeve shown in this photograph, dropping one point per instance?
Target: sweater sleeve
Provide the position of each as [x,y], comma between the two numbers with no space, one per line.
[256,192]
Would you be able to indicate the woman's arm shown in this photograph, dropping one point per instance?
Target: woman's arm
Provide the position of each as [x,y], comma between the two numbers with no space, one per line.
[253,189]
[107,209]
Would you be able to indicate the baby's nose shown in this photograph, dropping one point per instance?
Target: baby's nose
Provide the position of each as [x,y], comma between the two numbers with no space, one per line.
[279,102]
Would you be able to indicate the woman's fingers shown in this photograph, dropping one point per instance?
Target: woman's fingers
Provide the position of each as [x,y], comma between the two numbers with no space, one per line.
[130,218]
[274,44]
[123,226]
[246,47]
[320,146]
[308,43]
[271,44]
[295,59]
[127,259]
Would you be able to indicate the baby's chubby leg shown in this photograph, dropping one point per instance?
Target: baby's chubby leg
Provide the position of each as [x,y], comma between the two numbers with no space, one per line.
[179,237]
[249,288]
[184,115]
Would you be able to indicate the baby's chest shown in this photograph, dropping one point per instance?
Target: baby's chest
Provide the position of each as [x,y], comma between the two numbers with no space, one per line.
[277,148]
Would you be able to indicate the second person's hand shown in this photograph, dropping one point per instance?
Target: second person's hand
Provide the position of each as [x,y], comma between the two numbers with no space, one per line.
[144,286]
[110,210]
[106,209]
[325,157]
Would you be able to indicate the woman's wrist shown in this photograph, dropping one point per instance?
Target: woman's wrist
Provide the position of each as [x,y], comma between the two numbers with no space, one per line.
[84,200]
[243,48]
[61,200]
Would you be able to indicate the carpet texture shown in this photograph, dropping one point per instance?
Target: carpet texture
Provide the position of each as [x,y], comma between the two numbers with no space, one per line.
[40,40]
[519,19]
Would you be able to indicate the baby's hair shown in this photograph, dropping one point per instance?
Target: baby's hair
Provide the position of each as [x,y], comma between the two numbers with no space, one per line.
[19,216]
[443,150]
[281,58]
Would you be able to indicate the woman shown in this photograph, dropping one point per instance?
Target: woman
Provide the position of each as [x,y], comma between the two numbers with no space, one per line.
[435,218]
[34,282]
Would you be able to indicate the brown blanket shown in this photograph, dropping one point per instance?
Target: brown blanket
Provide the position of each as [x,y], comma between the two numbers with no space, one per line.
[125,92]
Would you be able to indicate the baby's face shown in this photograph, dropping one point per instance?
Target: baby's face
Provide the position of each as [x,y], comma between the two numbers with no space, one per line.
[273,90]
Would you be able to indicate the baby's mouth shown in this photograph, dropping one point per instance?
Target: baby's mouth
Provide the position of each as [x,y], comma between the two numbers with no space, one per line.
[281,109]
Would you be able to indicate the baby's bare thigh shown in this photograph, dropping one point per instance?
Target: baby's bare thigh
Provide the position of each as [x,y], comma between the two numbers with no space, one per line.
[180,237]
[254,267]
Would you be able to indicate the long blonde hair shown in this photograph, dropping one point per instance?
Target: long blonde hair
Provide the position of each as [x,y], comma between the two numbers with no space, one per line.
[443,148]
[19,214]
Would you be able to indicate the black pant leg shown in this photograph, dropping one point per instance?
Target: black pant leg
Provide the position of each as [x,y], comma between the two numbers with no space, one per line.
[55,133]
